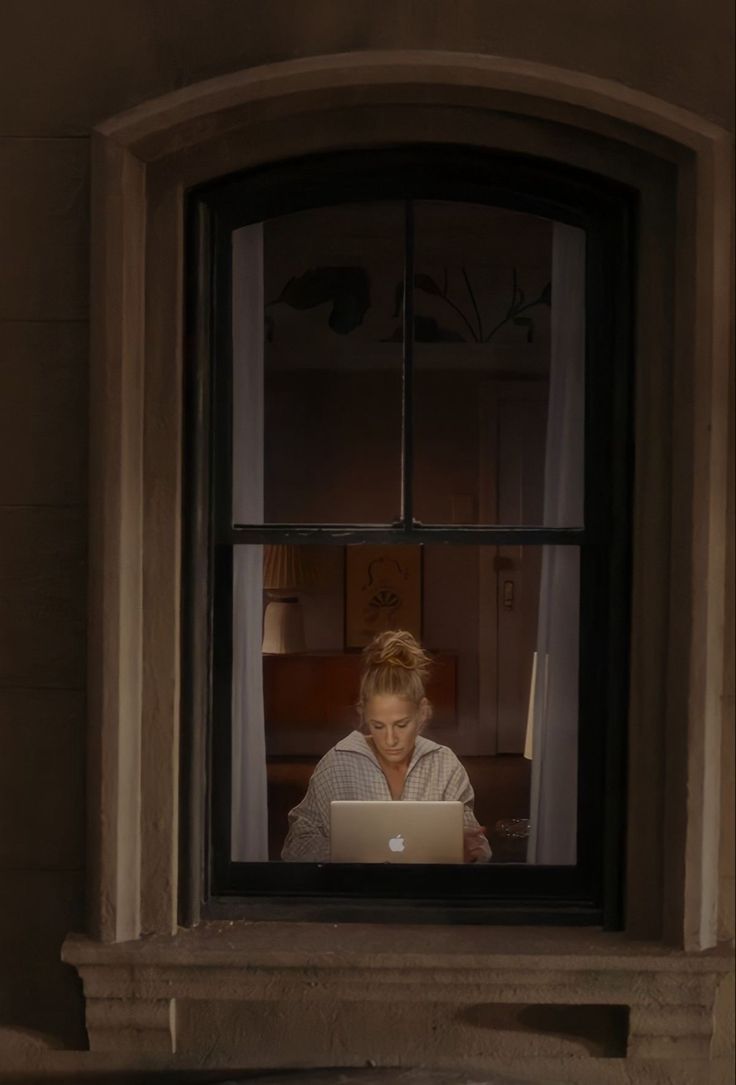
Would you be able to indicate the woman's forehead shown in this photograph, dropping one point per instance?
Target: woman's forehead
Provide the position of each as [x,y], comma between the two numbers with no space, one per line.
[388,708]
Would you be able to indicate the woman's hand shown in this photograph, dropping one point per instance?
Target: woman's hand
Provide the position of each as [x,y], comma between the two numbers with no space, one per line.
[475,845]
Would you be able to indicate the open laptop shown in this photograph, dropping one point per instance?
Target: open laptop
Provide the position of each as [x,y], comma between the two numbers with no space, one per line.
[396,831]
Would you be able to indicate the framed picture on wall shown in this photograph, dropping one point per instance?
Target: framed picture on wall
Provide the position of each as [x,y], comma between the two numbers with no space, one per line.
[383,590]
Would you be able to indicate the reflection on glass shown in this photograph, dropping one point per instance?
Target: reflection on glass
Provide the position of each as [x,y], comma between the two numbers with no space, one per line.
[499,353]
[501,626]
[317,366]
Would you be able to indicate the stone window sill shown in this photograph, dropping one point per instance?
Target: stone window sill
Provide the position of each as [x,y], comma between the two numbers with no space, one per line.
[133,989]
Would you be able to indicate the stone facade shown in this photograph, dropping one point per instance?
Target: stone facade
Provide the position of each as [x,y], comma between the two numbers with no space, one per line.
[151,1005]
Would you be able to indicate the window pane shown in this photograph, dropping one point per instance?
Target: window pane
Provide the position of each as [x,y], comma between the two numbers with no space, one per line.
[502,625]
[317,336]
[499,359]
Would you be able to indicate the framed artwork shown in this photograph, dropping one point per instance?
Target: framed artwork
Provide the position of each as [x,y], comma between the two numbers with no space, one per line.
[383,590]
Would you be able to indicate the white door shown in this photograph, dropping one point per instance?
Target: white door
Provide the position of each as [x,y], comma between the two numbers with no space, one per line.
[513,427]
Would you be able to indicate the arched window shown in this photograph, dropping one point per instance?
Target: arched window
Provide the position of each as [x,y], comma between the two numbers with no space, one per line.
[409,406]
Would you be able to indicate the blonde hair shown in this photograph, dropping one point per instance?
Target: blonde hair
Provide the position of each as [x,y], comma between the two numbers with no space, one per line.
[394,663]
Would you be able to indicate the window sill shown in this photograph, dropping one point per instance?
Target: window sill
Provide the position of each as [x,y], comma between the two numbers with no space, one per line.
[134,989]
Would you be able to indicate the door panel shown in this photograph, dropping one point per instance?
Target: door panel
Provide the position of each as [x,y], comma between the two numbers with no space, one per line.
[513,434]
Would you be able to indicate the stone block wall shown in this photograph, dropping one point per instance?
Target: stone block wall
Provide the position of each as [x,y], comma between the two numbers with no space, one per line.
[43,525]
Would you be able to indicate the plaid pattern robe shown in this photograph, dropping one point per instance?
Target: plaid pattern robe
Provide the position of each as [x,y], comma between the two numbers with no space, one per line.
[350,770]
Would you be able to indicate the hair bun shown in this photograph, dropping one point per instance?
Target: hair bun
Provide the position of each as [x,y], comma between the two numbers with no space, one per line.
[397,648]
[395,664]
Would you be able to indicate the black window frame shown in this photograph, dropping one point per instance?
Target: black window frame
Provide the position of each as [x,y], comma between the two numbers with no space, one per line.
[211,884]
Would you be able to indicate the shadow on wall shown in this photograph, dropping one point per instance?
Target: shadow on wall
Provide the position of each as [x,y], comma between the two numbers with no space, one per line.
[383,1075]
[41,999]
[601,1031]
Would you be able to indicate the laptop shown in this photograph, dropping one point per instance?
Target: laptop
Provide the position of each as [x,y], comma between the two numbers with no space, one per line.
[396,831]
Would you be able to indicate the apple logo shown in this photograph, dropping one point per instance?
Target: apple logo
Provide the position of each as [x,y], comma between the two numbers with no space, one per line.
[396,843]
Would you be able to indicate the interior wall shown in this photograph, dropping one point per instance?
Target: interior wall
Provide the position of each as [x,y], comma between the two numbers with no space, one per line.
[64,68]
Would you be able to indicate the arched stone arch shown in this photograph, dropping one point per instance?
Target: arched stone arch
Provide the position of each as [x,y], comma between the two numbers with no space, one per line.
[143,160]
[163,125]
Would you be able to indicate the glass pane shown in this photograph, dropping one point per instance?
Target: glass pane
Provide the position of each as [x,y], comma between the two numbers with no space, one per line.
[499,361]
[317,343]
[502,626]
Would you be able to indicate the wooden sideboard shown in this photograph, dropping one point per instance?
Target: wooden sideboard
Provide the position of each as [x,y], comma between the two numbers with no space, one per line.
[309,698]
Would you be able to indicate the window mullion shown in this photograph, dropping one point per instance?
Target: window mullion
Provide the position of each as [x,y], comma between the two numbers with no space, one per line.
[407,383]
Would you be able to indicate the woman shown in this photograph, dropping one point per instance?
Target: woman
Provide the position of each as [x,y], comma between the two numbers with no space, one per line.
[388,758]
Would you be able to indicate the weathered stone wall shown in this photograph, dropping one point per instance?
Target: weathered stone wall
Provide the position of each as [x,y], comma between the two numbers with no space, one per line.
[64,68]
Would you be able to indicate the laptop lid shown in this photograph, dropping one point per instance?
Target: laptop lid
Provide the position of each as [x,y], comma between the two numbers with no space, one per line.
[396,831]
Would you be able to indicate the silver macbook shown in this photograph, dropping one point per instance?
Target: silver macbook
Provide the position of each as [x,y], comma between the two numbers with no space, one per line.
[396,832]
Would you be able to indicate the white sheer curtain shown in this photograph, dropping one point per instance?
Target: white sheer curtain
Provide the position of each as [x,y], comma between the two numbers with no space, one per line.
[552,740]
[249,816]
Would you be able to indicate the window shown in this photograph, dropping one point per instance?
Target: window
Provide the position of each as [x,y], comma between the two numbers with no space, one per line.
[410,373]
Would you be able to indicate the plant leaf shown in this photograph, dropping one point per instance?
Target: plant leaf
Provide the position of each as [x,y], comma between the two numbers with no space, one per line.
[396,336]
[528,323]
[314,287]
[427,284]
[347,312]
[427,330]
[348,288]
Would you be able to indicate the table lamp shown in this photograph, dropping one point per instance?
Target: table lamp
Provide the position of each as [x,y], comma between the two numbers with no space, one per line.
[286,571]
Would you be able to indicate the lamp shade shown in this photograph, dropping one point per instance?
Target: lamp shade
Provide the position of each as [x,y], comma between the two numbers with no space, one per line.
[286,570]
[286,567]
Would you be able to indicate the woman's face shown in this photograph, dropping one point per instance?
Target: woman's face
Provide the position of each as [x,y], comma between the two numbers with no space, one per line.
[393,724]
